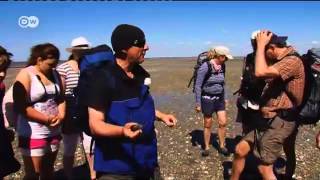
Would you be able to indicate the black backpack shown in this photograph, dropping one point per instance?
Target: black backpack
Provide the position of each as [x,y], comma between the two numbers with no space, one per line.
[251,87]
[309,110]
[202,58]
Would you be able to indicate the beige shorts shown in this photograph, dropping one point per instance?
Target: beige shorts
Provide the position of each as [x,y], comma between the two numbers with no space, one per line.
[268,144]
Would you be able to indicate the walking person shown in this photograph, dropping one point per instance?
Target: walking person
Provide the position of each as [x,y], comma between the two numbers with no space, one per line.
[69,73]
[284,74]
[210,95]
[38,100]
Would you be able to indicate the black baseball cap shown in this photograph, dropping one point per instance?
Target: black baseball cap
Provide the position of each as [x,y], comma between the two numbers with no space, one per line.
[3,51]
[125,35]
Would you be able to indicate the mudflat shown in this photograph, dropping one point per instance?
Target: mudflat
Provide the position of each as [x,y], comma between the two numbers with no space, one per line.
[179,147]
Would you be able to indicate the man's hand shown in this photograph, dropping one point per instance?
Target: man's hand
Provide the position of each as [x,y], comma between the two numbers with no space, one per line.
[263,38]
[129,133]
[169,120]
[198,108]
[318,140]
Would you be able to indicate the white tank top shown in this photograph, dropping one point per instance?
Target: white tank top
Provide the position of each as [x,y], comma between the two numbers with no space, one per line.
[35,130]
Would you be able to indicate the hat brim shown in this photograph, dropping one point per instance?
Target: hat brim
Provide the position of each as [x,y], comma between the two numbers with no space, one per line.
[6,53]
[278,39]
[77,48]
[229,56]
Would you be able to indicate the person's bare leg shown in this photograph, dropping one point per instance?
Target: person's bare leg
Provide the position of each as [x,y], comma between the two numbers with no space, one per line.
[222,121]
[241,151]
[267,172]
[207,131]
[32,167]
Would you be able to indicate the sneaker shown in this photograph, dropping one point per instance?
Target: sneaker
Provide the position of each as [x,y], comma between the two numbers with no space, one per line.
[224,151]
[205,153]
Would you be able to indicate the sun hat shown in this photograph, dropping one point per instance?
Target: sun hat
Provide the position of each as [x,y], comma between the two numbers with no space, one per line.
[221,50]
[79,43]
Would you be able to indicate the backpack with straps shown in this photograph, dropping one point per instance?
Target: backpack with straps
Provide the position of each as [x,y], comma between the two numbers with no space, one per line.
[251,87]
[90,59]
[309,110]
[202,58]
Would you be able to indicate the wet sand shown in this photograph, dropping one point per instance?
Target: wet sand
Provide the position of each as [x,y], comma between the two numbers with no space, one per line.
[179,147]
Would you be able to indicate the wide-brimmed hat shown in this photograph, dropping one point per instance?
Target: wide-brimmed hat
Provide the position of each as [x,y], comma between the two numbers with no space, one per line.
[79,43]
[221,50]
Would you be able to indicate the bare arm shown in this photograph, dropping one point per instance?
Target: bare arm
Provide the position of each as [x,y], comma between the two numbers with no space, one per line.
[168,119]
[21,91]
[261,67]
[99,127]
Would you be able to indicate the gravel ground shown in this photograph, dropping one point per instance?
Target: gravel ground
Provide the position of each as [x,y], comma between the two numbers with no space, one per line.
[179,148]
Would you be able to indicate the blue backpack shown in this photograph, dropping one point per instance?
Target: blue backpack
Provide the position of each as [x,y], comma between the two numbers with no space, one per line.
[90,59]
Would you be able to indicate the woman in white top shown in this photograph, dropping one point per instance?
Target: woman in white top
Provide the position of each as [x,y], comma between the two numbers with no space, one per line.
[69,72]
[40,107]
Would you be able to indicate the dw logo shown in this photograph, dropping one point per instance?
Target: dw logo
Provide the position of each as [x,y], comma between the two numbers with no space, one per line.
[31,21]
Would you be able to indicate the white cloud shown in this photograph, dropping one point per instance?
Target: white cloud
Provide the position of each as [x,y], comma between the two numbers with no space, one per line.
[315,42]
[207,42]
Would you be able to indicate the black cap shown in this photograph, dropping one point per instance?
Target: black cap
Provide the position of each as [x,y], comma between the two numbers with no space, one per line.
[3,51]
[124,36]
[275,39]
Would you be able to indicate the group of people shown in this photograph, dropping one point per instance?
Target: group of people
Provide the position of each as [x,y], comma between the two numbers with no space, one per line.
[121,110]
[268,105]
[44,102]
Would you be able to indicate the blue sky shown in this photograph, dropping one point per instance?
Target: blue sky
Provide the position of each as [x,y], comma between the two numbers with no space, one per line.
[173,29]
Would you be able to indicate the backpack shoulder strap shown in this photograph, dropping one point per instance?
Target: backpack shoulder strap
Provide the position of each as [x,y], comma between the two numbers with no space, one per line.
[58,81]
[209,72]
[223,67]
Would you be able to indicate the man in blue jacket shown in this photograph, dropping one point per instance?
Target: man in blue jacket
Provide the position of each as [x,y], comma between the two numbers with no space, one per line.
[121,110]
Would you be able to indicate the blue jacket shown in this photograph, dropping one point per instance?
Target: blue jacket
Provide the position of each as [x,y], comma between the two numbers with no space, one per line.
[109,84]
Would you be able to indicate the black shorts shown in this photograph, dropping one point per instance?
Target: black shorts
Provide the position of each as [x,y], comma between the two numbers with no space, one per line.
[211,104]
